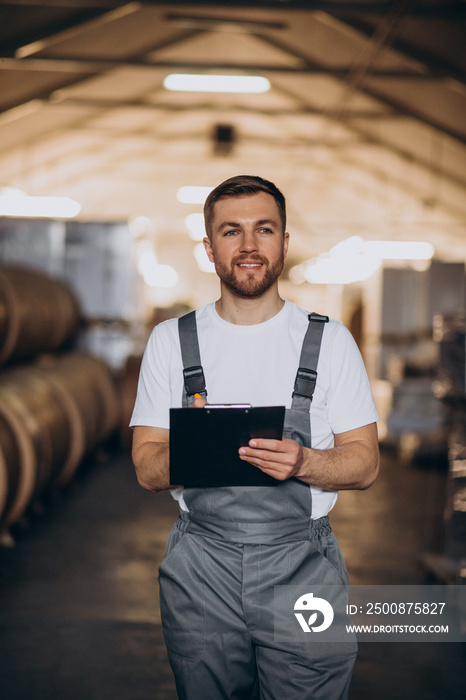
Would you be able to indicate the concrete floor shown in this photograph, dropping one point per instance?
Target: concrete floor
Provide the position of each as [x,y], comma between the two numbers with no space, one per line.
[79,604]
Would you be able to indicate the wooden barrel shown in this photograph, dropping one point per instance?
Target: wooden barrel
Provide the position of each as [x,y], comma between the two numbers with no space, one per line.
[78,442]
[9,462]
[19,474]
[89,381]
[51,414]
[38,313]
[96,374]
[27,393]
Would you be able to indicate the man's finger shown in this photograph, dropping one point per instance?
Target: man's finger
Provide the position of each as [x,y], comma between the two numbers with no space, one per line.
[268,444]
[198,402]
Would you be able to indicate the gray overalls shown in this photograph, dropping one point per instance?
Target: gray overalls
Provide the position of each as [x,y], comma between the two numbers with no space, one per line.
[224,558]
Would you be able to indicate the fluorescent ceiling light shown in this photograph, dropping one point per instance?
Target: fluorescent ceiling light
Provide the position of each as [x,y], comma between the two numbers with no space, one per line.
[196,227]
[400,250]
[14,202]
[385,250]
[193,195]
[327,270]
[355,260]
[349,246]
[190,82]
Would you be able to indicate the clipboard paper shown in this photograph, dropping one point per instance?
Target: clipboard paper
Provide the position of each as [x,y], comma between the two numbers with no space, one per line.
[204,444]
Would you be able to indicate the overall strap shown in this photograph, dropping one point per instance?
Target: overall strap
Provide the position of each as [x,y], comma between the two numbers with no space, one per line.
[306,375]
[194,381]
[298,423]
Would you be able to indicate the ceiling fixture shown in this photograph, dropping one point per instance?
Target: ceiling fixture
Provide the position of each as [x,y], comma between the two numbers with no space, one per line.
[193,194]
[14,202]
[224,138]
[400,250]
[358,268]
[355,260]
[191,82]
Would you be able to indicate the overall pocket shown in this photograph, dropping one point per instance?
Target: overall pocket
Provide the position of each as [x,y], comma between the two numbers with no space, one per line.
[182,596]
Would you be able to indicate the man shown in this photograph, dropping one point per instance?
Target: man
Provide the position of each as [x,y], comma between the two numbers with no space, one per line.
[232,545]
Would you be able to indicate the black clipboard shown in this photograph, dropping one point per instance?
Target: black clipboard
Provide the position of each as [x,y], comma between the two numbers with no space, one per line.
[204,444]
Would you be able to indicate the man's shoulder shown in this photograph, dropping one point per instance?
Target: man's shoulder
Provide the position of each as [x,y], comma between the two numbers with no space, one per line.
[335,335]
[170,325]
[301,315]
[163,336]
[205,311]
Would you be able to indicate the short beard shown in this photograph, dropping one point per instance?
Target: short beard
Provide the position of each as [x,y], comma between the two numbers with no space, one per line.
[250,287]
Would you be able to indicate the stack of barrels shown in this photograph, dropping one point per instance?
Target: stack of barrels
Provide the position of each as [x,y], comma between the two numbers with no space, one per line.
[56,405]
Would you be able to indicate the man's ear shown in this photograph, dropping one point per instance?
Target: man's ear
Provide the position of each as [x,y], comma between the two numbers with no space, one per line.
[286,242]
[208,249]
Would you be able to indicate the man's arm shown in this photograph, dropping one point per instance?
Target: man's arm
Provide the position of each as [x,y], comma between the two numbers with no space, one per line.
[150,454]
[353,463]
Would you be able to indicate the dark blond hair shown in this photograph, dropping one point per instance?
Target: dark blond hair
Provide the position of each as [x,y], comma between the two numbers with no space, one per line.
[240,186]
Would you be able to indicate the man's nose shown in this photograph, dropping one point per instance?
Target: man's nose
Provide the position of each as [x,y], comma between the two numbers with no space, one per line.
[248,242]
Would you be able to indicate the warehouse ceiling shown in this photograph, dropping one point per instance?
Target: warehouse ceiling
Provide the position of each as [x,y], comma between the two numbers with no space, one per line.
[364,127]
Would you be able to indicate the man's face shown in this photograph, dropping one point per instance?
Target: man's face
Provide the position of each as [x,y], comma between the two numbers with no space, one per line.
[248,246]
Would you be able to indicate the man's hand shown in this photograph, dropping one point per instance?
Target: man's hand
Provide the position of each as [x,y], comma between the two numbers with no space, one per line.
[198,402]
[353,462]
[281,459]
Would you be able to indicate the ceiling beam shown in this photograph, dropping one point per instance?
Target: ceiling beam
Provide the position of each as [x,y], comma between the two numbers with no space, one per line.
[434,63]
[85,17]
[356,78]
[72,4]
[341,116]
[448,9]
[77,64]
[217,108]
[414,113]
[78,74]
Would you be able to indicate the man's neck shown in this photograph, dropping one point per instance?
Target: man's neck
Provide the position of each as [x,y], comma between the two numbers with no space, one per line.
[249,311]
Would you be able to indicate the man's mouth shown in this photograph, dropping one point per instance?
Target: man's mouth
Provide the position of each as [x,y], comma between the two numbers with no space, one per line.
[250,266]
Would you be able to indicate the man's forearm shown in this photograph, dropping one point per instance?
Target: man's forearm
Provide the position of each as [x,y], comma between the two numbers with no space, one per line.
[351,466]
[151,455]
[151,461]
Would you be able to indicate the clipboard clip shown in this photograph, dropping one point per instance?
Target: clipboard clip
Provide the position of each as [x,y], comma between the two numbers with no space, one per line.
[227,405]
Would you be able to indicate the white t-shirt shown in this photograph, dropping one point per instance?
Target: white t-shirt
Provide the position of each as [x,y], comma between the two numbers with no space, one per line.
[257,364]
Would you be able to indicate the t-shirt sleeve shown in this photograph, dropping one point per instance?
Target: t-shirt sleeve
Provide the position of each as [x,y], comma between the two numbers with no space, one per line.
[350,401]
[153,394]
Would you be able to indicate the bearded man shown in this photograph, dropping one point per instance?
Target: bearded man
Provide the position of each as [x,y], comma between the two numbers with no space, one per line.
[231,545]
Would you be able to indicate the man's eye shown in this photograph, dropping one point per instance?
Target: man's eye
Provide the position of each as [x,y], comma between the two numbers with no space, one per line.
[232,232]
[265,230]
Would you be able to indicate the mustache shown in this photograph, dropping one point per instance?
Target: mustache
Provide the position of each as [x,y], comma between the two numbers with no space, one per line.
[251,257]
